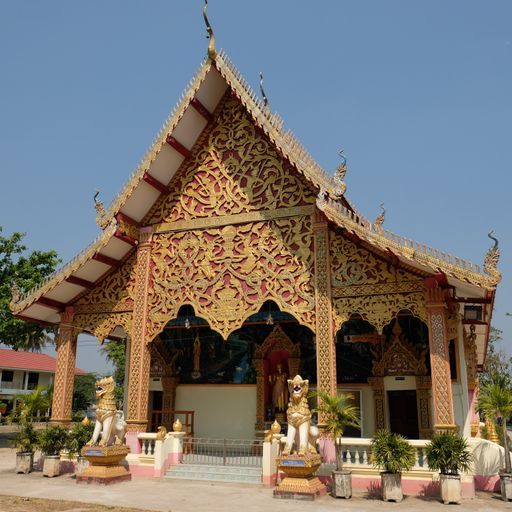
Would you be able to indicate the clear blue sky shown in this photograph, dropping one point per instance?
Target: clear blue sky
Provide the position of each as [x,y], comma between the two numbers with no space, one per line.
[417,93]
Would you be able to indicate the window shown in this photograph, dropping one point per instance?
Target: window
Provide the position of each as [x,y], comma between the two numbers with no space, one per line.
[33,380]
[7,376]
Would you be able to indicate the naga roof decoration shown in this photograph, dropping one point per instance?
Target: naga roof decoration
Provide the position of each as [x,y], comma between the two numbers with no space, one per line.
[410,250]
[215,75]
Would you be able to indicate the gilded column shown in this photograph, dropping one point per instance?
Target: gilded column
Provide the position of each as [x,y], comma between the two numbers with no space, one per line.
[64,369]
[439,360]
[325,347]
[379,401]
[140,356]
[260,393]
[424,400]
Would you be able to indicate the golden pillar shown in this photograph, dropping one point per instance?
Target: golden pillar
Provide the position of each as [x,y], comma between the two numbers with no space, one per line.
[140,356]
[64,369]
[439,360]
[325,347]
[424,400]
[379,401]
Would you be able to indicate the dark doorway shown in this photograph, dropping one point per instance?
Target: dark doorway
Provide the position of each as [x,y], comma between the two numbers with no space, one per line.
[403,413]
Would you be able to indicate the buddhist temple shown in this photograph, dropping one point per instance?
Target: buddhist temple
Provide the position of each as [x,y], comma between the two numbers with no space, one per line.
[231,261]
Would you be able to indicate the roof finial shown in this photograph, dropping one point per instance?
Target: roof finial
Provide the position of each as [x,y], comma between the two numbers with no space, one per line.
[492,258]
[15,293]
[212,53]
[339,175]
[101,213]
[263,95]
[380,218]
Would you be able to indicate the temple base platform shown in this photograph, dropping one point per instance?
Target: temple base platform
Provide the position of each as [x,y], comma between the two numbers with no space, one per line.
[104,465]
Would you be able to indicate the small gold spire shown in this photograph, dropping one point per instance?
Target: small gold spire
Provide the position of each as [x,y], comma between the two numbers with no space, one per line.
[212,53]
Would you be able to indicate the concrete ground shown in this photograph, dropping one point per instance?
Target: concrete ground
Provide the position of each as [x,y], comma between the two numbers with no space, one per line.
[189,496]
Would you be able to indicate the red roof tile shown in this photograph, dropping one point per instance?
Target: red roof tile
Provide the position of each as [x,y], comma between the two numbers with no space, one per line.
[17,360]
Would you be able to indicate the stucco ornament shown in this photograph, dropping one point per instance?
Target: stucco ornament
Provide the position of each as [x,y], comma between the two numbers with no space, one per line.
[109,421]
[300,431]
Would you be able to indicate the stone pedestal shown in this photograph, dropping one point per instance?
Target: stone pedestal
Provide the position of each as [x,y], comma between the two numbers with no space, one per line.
[104,465]
[506,486]
[300,482]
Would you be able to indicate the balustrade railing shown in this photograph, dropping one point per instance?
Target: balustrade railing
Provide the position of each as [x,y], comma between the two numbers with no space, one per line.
[223,452]
[356,452]
[147,445]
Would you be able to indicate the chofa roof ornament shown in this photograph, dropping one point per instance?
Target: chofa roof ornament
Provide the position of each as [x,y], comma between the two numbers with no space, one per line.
[15,293]
[212,52]
[101,213]
[263,95]
[339,175]
[379,220]
[492,258]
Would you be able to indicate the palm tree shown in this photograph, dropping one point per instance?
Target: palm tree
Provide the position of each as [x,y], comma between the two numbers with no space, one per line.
[339,413]
[39,401]
[495,401]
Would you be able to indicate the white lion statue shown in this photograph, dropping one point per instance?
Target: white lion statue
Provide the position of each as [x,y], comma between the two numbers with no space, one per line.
[300,430]
[109,421]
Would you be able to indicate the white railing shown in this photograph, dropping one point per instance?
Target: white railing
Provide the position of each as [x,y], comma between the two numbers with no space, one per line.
[147,446]
[356,453]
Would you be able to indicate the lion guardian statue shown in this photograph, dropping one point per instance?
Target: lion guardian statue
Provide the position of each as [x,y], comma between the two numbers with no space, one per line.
[109,421]
[300,430]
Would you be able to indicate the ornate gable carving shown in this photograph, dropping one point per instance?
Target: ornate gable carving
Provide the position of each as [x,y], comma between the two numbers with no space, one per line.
[277,340]
[233,169]
[399,357]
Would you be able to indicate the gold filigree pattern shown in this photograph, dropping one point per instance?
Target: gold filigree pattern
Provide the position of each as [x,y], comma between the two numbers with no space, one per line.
[234,170]
[379,309]
[117,287]
[227,273]
[102,324]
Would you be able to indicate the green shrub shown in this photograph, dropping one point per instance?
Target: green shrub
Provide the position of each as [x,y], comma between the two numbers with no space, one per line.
[26,439]
[392,452]
[52,440]
[448,453]
[78,437]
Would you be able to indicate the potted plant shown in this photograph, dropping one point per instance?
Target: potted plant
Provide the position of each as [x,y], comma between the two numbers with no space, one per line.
[495,401]
[26,442]
[3,408]
[448,453]
[77,438]
[339,413]
[393,454]
[51,441]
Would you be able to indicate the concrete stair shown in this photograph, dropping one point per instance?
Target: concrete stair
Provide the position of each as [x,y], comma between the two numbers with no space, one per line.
[239,474]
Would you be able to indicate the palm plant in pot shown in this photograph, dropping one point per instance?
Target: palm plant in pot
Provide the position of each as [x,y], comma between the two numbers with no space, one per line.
[495,401]
[25,441]
[448,453]
[77,438]
[339,413]
[393,454]
[51,441]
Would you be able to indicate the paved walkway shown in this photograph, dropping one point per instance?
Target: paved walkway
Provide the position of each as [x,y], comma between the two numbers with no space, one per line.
[188,496]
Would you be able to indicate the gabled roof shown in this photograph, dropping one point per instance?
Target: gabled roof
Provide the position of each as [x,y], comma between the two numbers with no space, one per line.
[156,170]
[18,360]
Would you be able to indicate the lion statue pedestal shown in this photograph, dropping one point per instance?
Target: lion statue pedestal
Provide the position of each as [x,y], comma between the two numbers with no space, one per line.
[106,450]
[301,465]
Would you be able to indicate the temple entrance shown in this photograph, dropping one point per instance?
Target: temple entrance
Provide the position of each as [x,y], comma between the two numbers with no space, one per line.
[403,413]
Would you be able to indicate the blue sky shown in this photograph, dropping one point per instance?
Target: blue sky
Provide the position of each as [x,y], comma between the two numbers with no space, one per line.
[417,93]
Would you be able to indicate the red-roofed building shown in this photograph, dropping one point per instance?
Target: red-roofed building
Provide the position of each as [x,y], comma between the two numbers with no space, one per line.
[22,372]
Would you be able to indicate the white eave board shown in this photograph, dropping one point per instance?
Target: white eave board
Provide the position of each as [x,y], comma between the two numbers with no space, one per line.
[212,89]
[116,249]
[165,165]
[140,201]
[64,292]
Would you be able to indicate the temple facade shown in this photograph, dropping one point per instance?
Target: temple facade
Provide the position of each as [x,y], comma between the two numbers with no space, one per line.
[231,261]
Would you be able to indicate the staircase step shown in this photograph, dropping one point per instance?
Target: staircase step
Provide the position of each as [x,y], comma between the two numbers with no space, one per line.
[215,473]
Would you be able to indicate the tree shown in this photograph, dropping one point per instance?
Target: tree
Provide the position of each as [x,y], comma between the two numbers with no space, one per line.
[26,271]
[115,352]
[84,391]
[495,401]
[497,365]
[339,413]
